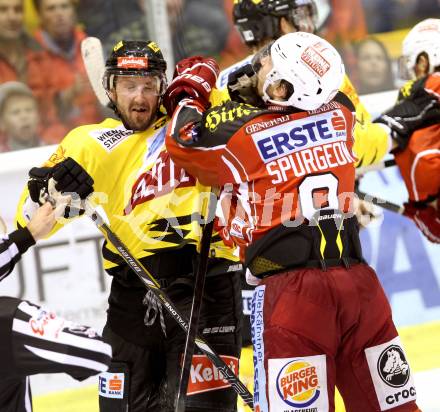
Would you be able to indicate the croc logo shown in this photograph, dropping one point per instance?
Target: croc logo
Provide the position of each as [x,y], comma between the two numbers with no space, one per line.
[393,367]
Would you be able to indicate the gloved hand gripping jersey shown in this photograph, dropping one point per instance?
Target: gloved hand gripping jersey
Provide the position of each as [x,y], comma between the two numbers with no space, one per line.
[418,109]
[242,86]
[194,77]
[68,177]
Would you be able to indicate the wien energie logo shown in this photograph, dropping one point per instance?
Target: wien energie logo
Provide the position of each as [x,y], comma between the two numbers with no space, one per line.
[298,383]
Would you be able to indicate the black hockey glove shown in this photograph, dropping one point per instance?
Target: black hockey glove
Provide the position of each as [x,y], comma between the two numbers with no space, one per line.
[70,177]
[242,86]
[420,109]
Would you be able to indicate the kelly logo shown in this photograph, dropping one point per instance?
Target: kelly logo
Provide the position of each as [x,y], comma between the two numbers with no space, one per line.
[205,377]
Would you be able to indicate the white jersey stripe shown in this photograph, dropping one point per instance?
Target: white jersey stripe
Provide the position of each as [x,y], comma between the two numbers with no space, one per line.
[7,255]
[414,166]
[233,170]
[24,328]
[68,359]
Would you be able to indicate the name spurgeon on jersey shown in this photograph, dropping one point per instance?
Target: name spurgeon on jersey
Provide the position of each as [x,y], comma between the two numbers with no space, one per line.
[304,146]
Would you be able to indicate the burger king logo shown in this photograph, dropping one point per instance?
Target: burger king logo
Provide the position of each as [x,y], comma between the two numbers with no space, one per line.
[298,383]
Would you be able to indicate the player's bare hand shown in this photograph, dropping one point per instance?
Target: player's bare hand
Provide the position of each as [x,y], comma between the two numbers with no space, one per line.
[42,222]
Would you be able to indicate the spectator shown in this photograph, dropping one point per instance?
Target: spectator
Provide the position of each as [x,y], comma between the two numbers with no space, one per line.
[373,63]
[58,35]
[19,117]
[22,59]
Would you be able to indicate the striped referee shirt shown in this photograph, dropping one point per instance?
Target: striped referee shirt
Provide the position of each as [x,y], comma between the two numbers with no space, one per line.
[12,246]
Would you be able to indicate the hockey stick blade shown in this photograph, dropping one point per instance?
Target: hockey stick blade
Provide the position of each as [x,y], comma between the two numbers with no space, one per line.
[93,58]
[151,283]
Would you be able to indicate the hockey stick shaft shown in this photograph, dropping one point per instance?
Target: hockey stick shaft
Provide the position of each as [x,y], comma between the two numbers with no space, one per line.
[360,171]
[199,285]
[151,283]
[194,319]
[392,207]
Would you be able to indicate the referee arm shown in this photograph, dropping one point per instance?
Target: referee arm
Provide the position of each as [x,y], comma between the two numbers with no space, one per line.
[12,246]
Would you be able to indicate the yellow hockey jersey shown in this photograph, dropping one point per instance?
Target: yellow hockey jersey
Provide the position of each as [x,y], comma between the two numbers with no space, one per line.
[152,204]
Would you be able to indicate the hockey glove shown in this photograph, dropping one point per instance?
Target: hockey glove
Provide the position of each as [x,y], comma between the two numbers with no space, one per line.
[417,111]
[68,176]
[193,77]
[242,86]
[427,219]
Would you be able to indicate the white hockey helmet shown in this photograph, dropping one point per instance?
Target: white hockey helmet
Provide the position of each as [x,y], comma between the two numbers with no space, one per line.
[423,37]
[310,64]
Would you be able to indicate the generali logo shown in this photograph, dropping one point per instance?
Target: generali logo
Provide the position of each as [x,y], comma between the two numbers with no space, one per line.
[132,62]
[204,376]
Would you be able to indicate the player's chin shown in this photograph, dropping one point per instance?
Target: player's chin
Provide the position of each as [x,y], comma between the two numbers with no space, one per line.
[140,120]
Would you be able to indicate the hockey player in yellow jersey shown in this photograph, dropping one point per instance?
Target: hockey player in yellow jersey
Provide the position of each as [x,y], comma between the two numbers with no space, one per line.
[153,206]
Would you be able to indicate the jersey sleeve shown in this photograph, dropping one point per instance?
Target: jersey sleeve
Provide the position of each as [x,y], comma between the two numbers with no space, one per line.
[195,145]
[12,247]
[371,140]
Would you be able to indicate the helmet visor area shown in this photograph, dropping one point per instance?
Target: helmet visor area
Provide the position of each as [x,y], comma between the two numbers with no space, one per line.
[131,83]
[304,18]
[259,55]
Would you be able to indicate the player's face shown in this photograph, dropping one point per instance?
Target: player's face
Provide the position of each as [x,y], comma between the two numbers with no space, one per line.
[136,98]
[57,18]
[11,19]
[20,118]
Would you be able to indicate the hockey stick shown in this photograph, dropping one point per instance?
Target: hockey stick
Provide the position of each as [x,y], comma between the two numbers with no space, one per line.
[377,201]
[360,171]
[199,285]
[94,62]
[151,283]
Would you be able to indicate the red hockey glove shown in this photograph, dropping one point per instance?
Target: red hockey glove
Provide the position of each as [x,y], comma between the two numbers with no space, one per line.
[427,220]
[193,77]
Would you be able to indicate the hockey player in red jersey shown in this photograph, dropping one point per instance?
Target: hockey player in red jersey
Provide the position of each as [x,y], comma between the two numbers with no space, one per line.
[320,317]
[419,161]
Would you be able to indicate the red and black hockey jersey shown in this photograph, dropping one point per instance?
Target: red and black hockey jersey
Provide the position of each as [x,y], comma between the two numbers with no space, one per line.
[275,166]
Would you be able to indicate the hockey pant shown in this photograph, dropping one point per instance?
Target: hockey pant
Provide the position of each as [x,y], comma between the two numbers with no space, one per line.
[34,340]
[315,329]
[145,378]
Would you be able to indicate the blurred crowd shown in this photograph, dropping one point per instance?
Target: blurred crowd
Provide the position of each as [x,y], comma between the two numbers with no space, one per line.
[44,90]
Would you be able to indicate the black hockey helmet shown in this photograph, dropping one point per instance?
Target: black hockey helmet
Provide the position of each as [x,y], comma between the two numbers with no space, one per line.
[135,58]
[259,20]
